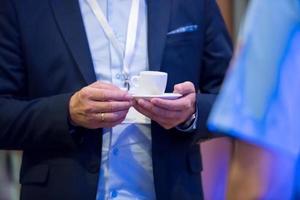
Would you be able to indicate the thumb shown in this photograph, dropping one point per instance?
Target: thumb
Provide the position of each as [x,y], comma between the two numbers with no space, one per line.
[184,88]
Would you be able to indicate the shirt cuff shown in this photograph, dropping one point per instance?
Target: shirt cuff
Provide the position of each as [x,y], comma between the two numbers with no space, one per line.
[190,125]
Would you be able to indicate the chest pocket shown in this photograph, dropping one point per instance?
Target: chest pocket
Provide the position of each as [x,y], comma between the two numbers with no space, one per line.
[184,38]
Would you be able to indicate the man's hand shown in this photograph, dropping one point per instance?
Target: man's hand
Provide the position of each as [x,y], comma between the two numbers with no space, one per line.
[170,113]
[99,105]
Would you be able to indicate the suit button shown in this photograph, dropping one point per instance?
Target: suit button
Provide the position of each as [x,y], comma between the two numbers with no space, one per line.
[118,76]
[94,167]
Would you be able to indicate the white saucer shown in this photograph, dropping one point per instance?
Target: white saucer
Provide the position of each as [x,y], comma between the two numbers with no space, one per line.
[169,96]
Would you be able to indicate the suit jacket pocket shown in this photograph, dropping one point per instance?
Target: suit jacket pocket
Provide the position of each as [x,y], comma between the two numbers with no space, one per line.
[194,159]
[37,174]
[186,37]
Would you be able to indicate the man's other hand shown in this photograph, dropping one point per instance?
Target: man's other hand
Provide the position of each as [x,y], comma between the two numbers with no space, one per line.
[170,113]
[99,105]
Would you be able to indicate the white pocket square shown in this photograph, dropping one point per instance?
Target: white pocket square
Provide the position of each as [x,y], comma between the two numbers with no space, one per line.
[184,29]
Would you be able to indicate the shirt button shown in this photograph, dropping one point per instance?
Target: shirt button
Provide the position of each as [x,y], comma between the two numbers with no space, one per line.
[114,194]
[116,151]
[118,76]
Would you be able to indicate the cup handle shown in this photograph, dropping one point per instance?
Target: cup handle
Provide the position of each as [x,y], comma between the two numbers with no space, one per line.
[134,81]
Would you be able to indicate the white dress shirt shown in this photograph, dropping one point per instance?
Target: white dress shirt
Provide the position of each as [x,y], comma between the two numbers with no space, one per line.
[126,165]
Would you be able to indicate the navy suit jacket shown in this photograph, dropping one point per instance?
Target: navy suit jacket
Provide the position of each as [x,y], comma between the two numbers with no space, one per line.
[45,58]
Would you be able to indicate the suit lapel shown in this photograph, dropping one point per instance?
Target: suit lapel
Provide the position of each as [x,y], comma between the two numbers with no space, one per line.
[158,23]
[69,20]
[68,17]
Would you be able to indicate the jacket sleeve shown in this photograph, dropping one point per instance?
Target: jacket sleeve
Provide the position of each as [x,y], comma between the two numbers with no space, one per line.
[216,57]
[26,123]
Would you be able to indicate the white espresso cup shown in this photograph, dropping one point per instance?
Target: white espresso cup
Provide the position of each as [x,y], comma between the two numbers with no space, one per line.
[150,83]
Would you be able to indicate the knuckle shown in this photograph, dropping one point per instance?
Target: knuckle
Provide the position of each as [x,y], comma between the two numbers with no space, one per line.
[103,95]
[127,105]
[115,117]
[119,117]
[85,107]
[74,101]
[94,107]
[84,93]
[152,109]
[88,109]
[188,83]
[192,86]
[178,87]
[110,107]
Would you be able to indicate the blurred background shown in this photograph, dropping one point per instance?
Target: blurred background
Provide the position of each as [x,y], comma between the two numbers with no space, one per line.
[236,170]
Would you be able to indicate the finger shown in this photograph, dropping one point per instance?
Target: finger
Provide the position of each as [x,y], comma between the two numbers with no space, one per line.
[110,125]
[108,118]
[175,105]
[96,94]
[146,105]
[184,88]
[110,106]
[144,112]
[104,85]
[159,115]
[165,122]
[158,111]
